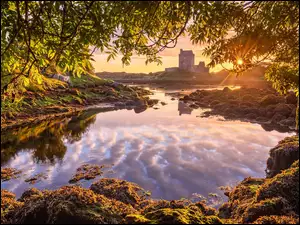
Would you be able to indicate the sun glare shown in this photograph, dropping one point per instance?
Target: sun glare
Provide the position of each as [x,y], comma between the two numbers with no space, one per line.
[239,61]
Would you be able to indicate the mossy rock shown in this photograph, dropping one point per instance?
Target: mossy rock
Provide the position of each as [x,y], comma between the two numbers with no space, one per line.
[247,97]
[246,189]
[283,155]
[173,216]
[121,190]
[8,205]
[284,185]
[9,173]
[30,193]
[271,100]
[267,207]
[277,220]
[71,205]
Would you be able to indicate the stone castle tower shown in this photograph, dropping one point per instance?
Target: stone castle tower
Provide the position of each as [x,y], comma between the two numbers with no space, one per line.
[186,60]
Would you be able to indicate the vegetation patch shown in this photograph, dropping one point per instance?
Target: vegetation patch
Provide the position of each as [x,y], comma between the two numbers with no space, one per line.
[121,190]
[86,172]
[9,173]
[36,178]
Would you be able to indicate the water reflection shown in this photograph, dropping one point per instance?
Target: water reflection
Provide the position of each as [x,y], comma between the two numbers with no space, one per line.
[172,156]
[183,108]
[46,139]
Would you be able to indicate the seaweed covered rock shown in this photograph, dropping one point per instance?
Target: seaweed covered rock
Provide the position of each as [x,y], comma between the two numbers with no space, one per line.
[285,185]
[87,172]
[9,173]
[121,190]
[8,205]
[271,100]
[240,198]
[191,215]
[283,155]
[267,207]
[276,220]
[291,98]
[283,109]
[254,199]
[30,193]
[71,205]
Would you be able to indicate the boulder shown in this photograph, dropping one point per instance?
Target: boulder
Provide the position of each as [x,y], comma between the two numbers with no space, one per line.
[271,100]
[283,155]
[226,89]
[288,122]
[283,109]
[277,117]
[247,97]
[251,116]
[291,98]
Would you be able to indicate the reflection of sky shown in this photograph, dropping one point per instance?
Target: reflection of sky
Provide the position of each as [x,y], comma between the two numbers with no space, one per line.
[172,156]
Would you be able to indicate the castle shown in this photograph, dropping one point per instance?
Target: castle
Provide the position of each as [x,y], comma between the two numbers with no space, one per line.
[186,63]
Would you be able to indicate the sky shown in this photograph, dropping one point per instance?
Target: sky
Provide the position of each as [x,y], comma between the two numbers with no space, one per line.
[137,65]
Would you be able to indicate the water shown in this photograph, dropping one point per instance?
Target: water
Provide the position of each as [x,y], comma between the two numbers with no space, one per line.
[171,153]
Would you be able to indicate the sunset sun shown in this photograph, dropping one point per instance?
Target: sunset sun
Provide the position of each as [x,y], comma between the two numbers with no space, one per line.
[240,62]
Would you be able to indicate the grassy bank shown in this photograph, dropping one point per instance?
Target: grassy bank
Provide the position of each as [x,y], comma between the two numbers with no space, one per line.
[85,91]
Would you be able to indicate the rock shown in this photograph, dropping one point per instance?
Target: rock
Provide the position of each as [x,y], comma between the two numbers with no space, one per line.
[284,185]
[247,97]
[87,172]
[251,116]
[283,109]
[120,104]
[140,102]
[152,102]
[262,119]
[215,102]
[283,155]
[9,173]
[276,220]
[140,109]
[271,100]
[8,205]
[291,98]
[277,117]
[30,193]
[130,103]
[123,191]
[191,215]
[262,112]
[71,205]
[173,99]
[293,113]
[36,178]
[163,103]
[186,98]
[226,89]
[194,106]
[288,122]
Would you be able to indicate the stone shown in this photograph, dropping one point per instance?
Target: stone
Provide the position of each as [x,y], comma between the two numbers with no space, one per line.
[291,98]
[283,109]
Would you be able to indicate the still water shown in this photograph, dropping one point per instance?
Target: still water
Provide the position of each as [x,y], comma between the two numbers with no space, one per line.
[168,151]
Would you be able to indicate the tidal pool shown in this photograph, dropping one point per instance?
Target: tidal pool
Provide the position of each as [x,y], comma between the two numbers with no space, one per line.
[169,151]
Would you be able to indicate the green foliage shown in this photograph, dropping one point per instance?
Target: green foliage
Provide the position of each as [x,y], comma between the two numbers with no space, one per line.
[254,32]
[41,37]
[47,37]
